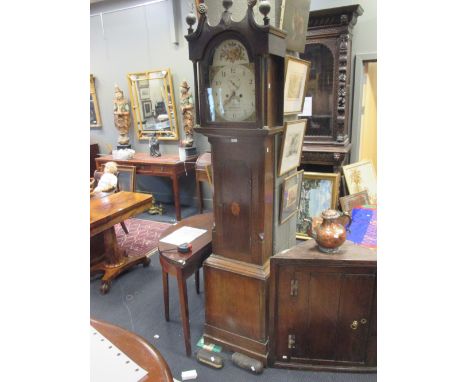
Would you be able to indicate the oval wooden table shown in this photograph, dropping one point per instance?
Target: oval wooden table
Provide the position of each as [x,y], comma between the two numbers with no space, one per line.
[183,265]
[138,349]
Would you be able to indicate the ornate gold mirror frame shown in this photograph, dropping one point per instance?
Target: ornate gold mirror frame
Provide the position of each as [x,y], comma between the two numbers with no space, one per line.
[95,114]
[153,104]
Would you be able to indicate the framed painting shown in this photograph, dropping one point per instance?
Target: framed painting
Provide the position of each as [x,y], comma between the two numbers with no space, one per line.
[296,74]
[291,148]
[147,108]
[319,191]
[352,201]
[144,93]
[95,115]
[294,19]
[360,176]
[290,192]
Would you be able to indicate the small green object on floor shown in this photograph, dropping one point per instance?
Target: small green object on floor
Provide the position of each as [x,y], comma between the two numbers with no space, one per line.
[210,347]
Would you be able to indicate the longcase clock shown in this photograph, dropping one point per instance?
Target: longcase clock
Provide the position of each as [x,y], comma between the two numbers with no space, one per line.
[238,69]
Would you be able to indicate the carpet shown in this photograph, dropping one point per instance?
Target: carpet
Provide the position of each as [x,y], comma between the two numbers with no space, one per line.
[143,236]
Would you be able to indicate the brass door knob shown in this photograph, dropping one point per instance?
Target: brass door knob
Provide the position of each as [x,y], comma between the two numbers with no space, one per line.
[354,325]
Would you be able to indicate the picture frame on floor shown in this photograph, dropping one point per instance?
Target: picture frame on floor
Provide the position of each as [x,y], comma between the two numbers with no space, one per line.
[290,192]
[319,191]
[361,176]
[358,199]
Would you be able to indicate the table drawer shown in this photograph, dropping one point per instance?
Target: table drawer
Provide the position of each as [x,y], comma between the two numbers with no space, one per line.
[152,169]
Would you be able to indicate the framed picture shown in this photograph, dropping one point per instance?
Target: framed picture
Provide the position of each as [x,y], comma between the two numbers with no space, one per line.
[144,93]
[359,177]
[319,191]
[291,149]
[297,72]
[294,19]
[143,83]
[290,192]
[126,178]
[147,108]
[352,201]
[95,115]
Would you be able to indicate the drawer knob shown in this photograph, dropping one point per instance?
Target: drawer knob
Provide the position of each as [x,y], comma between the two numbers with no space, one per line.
[354,325]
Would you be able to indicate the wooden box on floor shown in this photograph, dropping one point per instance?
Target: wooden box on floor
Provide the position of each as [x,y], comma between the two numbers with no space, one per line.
[323,309]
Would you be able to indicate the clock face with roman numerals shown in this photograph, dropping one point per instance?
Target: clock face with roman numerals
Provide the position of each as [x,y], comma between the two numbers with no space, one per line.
[231,95]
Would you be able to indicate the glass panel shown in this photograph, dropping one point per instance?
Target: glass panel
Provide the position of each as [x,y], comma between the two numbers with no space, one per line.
[230,90]
[320,90]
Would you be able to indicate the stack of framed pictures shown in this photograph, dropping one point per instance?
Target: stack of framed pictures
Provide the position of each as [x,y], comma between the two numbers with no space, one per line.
[360,176]
[319,191]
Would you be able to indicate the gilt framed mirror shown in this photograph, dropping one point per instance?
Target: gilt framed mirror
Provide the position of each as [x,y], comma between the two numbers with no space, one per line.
[153,104]
[95,114]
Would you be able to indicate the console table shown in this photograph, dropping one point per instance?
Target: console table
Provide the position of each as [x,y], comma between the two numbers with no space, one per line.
[168,166]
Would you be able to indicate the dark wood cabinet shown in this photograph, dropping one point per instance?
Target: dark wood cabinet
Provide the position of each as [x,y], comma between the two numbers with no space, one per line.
[328,48]
[323,309]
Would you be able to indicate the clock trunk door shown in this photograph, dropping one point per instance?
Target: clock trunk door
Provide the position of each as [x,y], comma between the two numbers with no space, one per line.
[233,223]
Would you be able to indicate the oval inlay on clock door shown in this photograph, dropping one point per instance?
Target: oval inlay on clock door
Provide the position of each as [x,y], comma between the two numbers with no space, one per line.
[235,208]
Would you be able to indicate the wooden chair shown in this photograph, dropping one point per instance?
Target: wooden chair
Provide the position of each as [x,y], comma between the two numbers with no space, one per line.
[203,174]
[126,181]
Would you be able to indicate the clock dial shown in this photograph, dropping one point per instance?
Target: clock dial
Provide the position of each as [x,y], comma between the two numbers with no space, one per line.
[231,92]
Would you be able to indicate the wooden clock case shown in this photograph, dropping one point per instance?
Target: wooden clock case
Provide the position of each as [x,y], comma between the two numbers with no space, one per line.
[244,172]
[328,48]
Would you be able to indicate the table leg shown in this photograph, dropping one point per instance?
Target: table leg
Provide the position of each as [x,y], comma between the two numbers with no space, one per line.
[175,189]
[165,279]
[197,280]
[200,196]
[184,313]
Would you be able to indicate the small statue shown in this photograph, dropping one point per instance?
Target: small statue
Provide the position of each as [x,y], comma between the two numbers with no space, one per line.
[121,115]
[186,102]
[108,180]
[154,146]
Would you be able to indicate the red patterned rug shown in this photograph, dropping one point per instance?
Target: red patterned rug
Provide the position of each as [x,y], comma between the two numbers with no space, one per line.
[143,236]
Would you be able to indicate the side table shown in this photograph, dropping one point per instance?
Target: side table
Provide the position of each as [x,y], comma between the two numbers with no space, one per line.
[183,265]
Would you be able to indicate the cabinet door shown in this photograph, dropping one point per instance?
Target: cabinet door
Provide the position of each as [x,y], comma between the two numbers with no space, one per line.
[354,317]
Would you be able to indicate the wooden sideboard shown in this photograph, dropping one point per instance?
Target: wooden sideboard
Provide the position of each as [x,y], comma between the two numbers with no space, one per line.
[168,165]
[323,309]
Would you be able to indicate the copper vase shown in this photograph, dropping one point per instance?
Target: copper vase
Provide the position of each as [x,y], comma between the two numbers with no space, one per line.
[331,234]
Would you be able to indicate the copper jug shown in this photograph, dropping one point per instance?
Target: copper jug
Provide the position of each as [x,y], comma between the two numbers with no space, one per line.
[331,234]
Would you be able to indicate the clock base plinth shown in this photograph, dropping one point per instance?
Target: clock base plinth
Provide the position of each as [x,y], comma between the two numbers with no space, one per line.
[236,306]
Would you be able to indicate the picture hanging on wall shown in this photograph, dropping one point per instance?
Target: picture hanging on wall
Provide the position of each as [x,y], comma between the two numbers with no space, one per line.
[95,115]
[297,72]
[290,192]
[144,93]
[294,19]
[291,149]
[319,191]
[147,108]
